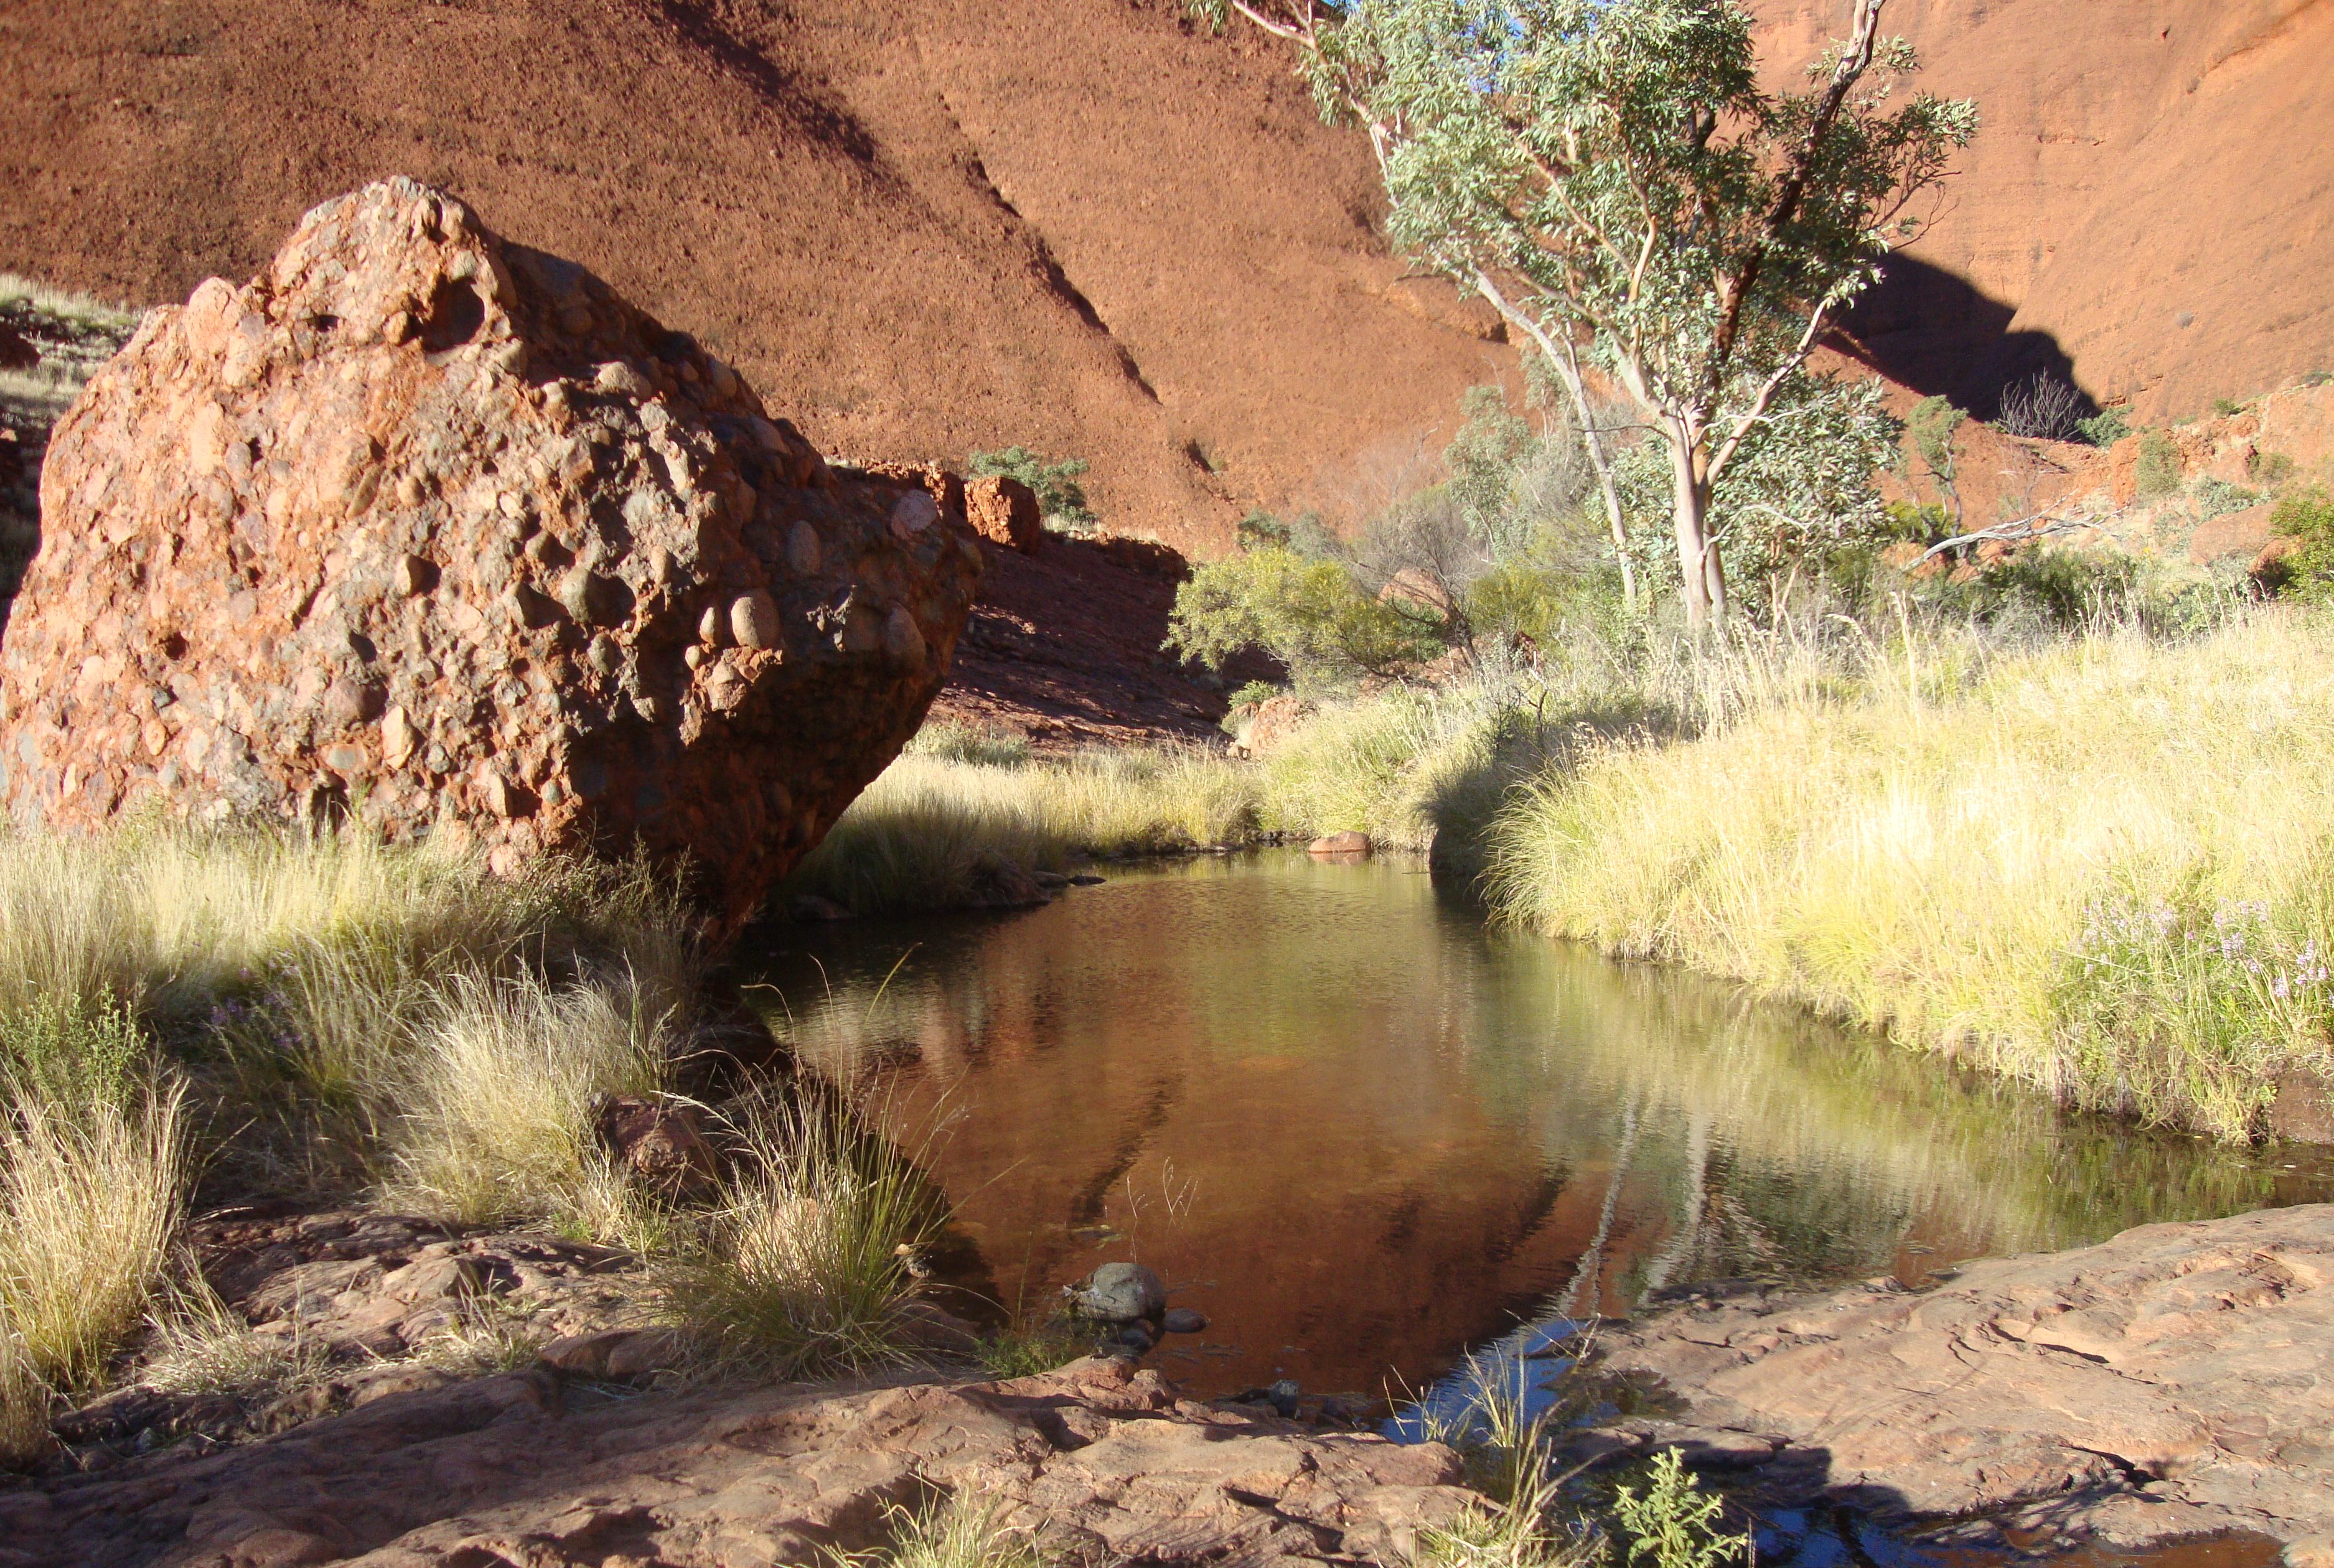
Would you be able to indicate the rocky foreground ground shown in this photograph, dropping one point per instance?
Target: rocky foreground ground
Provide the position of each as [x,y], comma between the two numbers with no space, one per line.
[533,1469]
[2176,1382]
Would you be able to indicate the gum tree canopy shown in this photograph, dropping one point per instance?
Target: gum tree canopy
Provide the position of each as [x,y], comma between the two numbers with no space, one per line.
[1611,177]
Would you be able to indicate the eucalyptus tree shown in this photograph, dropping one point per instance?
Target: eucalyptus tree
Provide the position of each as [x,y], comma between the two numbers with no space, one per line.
[1614,179]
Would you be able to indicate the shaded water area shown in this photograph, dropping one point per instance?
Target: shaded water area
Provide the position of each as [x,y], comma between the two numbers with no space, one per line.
[1366,1132]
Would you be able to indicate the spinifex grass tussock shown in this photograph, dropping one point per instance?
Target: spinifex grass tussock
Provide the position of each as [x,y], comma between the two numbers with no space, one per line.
[502,1093]
[200,1345]
[1026,1348]
[935,831]
[305,979]
[92,1192]
[2096,865]
[962,1529]
[798,1271]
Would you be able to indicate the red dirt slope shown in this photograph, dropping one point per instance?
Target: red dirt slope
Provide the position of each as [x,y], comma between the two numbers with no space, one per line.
[920,227]
[2151,196]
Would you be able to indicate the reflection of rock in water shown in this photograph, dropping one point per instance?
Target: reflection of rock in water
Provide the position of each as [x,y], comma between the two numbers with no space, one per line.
[1402,1134]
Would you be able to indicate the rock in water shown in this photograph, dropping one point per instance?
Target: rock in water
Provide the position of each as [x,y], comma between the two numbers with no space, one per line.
[1119,1293]
[437,531]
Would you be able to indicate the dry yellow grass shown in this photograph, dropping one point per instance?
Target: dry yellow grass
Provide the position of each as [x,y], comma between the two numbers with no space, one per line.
[2098,866]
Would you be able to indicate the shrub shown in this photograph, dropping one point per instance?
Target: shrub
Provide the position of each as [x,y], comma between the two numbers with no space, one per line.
[2306,516]
[2218,497]
[2160,471]
[2269,470]
[2043,407]
[1672,1523]
[1061,499]
[2225,407]
[1933,421]
[1307,612]
[2103,428]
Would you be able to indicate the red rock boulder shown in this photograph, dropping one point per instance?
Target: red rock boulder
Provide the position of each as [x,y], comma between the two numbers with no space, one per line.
[1005,512]
[438,532]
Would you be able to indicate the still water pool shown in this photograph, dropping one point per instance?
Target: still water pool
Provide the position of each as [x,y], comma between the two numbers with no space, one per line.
[1364,1132]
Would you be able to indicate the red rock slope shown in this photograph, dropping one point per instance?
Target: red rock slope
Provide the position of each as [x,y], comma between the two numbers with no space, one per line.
[940,224]
[2151,196]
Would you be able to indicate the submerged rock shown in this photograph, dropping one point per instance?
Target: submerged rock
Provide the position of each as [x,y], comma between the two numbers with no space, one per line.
[438,532]
[1119,1293]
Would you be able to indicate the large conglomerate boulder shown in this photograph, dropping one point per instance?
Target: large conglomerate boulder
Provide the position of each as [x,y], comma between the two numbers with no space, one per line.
[438,532]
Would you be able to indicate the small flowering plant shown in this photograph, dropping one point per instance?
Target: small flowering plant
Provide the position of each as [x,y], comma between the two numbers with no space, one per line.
[2190,998]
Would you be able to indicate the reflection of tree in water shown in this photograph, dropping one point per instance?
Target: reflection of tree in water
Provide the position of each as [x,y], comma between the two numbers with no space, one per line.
[1413,1126]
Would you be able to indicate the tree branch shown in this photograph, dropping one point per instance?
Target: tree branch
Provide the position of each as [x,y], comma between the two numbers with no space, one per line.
[1854,60]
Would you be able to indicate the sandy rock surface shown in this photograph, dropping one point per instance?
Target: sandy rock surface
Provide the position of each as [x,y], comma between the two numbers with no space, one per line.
[439,531]
[2173,1381]
[539,1469]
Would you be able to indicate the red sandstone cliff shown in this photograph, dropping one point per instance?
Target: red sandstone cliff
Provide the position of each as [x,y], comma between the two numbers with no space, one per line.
[2151,196]
[940,224]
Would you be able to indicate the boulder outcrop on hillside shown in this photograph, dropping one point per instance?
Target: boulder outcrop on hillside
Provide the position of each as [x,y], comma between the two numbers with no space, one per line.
[441,533]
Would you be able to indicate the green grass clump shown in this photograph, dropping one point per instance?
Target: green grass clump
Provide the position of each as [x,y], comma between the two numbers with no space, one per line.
[1989,863]
[2158,471]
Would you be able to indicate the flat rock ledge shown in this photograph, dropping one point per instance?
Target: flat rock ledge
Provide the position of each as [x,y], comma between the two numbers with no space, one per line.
[536,1470]
[2175,1382]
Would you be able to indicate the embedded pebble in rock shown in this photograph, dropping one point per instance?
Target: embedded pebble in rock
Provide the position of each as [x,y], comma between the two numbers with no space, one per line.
[437,531]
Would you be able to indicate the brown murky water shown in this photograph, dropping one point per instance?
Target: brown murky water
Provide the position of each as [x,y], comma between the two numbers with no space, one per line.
[1366,1133]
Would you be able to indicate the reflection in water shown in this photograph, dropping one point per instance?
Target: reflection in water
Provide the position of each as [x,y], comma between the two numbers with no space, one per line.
[1363,1132]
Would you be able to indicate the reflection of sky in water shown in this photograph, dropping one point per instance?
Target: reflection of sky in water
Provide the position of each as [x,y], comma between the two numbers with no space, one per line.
[1364,1133]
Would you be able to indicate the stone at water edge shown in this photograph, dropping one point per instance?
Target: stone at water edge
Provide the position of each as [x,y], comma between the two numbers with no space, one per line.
[437,531]
[1344,843]
[1184,1320]
[1119,1293]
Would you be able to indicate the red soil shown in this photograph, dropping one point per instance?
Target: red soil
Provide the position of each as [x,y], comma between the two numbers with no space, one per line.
[920,227]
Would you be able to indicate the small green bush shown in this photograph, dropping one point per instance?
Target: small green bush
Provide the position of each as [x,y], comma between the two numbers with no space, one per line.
[1061,499]
[1672,1523]
[2159,472]
[2218,497]
[2269,470]
[2224,407]
[1933,421]
[2103,428]
[1308,613]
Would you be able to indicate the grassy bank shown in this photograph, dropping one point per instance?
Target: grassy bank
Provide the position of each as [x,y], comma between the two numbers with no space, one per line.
[2099,865]
[220,1016]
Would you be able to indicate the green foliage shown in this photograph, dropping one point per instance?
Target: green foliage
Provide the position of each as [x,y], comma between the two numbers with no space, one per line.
[1061,500]
[1672,1522]
[1261,529]
[1932,422]
[2306,515]
[2159,472]
[71,1051]
[2269,470]
[1028,1348]
[2218,498]
[1308,613]
[2224,407]
[2103,428]
[1613,171]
